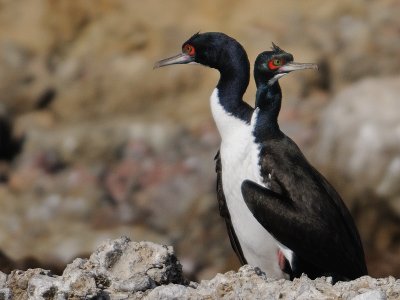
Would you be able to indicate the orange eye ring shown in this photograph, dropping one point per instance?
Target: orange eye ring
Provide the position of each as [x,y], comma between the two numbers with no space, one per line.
[189,49]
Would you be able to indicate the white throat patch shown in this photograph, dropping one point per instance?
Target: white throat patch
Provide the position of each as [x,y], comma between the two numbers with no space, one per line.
[275,78]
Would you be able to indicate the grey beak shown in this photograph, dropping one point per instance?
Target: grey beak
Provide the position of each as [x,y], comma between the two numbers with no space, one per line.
[181,58]
[293,66]
[289,67]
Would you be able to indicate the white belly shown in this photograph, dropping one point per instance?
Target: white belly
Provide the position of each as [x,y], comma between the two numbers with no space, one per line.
[239,157]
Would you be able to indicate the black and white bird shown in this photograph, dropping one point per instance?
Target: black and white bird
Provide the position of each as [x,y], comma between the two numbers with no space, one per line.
[237,159]
[239,156]
[291,199]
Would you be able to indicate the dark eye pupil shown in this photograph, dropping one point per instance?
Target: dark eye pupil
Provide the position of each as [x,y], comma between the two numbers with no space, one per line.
[189,49]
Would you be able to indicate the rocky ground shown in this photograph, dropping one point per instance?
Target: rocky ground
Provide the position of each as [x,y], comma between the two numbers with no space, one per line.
[123,269]
[94,144]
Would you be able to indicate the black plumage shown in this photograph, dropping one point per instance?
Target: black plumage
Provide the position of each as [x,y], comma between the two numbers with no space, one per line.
[299,208]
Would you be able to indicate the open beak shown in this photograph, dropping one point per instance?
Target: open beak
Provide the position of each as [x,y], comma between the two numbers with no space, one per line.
[181,58]
[293,66]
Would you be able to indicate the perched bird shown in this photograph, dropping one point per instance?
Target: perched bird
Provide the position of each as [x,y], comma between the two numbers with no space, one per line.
[237,159]
[291,199]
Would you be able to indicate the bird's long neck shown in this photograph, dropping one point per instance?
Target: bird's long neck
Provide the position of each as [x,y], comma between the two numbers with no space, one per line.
[233,82]
[268,101]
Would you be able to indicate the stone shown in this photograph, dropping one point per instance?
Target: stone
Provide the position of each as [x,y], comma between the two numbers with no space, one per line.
[5,294]
[371,295]
[42,287]
[3,279]
[123,269]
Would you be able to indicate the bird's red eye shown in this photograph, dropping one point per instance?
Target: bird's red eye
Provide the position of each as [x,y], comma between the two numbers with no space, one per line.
[274,64]
[189,49]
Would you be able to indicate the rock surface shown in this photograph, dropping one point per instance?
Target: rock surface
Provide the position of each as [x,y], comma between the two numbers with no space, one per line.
[119,268]
[123,269]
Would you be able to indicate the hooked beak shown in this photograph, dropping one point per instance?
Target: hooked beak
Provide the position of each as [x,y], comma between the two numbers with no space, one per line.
[294,66]
[181,58]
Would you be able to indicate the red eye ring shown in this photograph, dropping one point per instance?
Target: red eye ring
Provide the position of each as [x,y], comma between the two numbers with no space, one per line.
[189,49]
[275,64]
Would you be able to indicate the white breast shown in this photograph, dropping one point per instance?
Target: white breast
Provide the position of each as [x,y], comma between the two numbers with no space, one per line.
[239,157]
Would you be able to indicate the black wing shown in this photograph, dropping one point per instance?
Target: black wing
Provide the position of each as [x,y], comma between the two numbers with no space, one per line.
[305,213]
[224,212]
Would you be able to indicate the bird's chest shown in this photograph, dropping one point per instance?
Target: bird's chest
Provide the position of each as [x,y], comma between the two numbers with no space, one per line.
[239,159]
[239,153]
[239,162]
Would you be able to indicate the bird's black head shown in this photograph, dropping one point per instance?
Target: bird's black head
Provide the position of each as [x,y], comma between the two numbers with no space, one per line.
[213,49]
[272,65]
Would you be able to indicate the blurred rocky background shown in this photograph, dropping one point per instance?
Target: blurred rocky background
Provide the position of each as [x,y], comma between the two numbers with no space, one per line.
[94,144]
